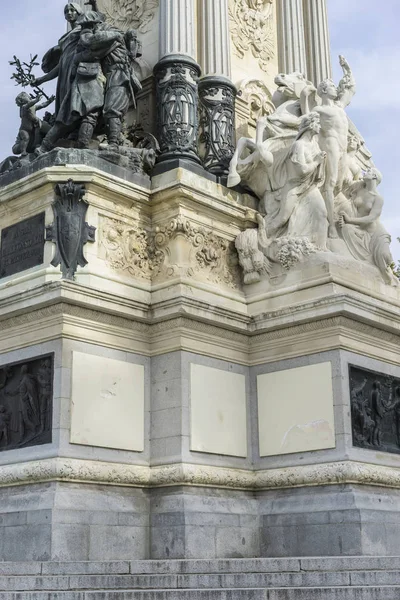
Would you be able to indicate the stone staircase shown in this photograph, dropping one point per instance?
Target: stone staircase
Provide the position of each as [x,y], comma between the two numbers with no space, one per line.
[346,578]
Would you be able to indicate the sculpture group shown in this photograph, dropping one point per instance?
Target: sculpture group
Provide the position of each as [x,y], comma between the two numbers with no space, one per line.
[315,181]
[94,64]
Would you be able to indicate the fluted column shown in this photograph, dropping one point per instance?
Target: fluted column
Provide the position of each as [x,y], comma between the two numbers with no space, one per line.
[291,40]
[319,65]
[214,38]
[177,27]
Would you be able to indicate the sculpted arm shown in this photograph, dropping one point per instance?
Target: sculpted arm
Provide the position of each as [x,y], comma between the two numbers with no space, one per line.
[48,77]
[347,86]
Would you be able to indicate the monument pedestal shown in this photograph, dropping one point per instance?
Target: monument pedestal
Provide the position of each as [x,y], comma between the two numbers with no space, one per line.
[192,417]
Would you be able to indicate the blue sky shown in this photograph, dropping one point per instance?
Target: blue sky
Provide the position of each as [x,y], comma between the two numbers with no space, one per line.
[365,31]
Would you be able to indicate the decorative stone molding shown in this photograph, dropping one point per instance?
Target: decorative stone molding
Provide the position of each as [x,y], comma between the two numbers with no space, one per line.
[126,14]
[177,107]
[258,98]
[183,249]
[101,473]
[217,123]
[125,248]
[253,29]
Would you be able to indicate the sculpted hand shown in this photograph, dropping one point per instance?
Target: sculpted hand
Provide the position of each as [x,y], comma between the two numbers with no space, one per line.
[342,219]
[343,62]
[321,157]
[36,81]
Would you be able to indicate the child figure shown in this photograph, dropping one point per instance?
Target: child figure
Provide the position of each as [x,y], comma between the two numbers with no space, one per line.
[32,129]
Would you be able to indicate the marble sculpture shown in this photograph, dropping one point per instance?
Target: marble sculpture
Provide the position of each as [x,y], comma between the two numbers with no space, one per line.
[315,181]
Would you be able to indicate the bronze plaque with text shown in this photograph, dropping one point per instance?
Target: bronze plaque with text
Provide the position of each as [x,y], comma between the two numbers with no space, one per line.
[22,246]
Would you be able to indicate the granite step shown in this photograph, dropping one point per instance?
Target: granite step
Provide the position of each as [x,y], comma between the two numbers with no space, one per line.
[344,578]
[196,566]
[341,593]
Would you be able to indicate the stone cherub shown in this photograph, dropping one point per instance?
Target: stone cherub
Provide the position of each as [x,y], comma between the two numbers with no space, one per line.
[32,129]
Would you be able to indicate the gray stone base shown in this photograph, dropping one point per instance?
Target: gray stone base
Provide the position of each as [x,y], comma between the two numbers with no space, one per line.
[330,521]
[59,521]
[203,523]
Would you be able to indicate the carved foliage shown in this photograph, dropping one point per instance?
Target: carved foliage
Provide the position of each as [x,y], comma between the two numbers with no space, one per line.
[125,248]
[177,107]
[217,123]
[128,14]
[253,29]
[375,410]
[26,398]
[181,248]
[69,231]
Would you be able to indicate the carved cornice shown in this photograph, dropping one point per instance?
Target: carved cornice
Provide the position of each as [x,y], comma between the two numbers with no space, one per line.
[93,472]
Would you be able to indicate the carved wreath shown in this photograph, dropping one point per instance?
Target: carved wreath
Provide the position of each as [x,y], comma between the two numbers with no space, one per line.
[126,14]
[253,29]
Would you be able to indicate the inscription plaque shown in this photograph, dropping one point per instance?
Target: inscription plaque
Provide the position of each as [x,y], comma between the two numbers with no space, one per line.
[375,410]
[26,403]
[22,246]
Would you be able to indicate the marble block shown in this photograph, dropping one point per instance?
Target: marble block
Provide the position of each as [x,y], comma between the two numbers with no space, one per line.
[107,403]
[295,410]
[218,411]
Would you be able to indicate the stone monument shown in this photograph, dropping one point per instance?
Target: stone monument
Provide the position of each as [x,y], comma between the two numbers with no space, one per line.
[199,314]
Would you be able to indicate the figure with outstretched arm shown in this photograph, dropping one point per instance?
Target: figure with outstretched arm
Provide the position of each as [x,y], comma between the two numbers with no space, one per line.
[329,102]
[28,135]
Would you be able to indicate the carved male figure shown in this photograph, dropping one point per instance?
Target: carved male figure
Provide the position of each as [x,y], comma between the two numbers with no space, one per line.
[333,137]
[28,136]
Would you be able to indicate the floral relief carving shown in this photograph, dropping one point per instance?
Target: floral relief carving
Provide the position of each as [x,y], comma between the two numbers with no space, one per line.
[128,14]
[202,253]
[253,29]
[125,248]
[77,470]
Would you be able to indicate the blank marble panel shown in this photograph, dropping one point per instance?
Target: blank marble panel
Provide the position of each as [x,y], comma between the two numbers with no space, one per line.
[295,410]
[218,411]
[107,404]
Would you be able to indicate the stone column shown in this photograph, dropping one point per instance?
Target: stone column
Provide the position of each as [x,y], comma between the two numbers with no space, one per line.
[177,27]
[176,76]
[214,38]
[216,91]
[291,41]
[319,65]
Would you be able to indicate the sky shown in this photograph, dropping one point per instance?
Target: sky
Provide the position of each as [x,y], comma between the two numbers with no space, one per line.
[365,31]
